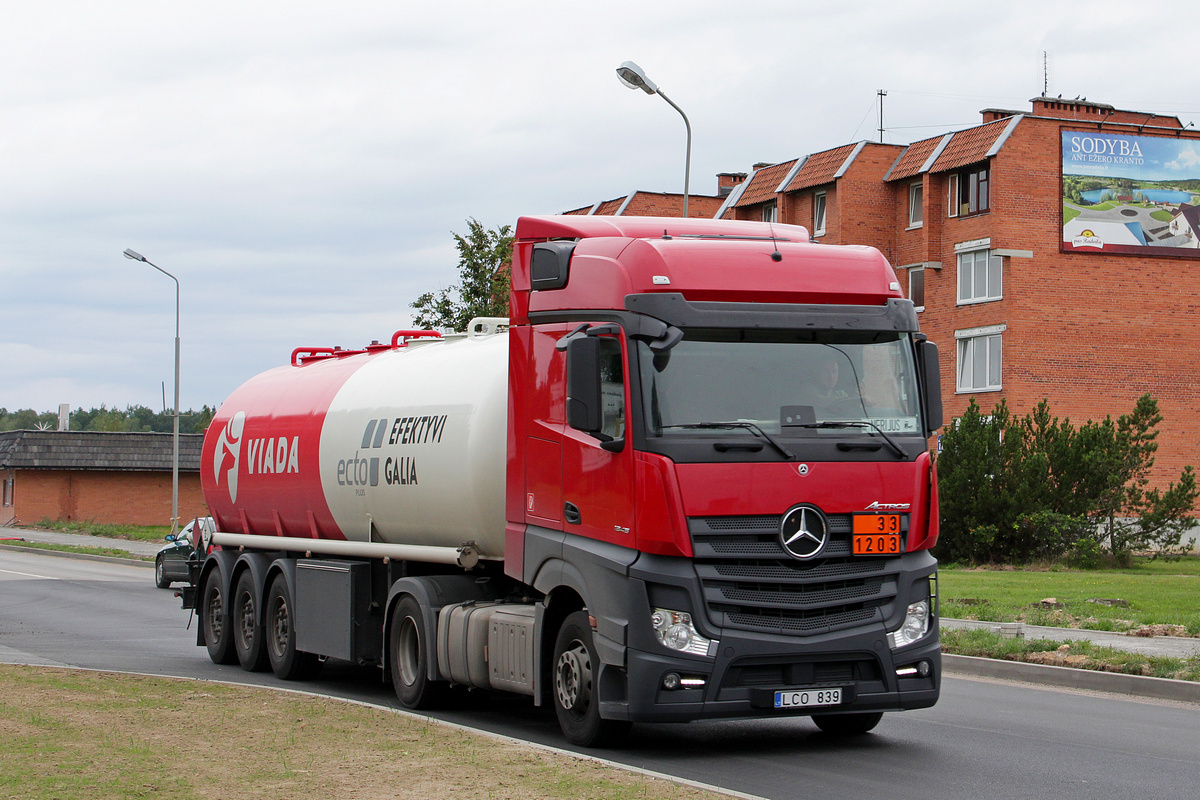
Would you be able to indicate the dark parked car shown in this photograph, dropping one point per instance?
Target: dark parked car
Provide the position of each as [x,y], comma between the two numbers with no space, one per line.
[171,563]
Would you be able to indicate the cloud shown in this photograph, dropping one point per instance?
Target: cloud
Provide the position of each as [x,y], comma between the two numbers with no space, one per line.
[1188,159]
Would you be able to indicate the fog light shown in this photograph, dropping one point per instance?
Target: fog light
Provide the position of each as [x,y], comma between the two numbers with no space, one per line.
[675,630]
[921,669]
[670,681]
[915,625]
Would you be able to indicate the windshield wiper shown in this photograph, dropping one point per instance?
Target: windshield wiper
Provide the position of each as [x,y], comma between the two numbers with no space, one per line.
[857,424]
[750,426]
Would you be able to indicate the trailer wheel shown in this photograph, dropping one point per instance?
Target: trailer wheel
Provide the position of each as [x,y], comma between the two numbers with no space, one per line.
[160,574]
[286,661]
[409,647]
[247,632]
[215,622]
[847,724]
[576,701]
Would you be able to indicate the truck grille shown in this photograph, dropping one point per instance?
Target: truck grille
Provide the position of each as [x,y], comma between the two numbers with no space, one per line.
[751,583]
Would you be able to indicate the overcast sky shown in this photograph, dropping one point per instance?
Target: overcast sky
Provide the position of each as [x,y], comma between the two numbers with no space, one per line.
[300,166]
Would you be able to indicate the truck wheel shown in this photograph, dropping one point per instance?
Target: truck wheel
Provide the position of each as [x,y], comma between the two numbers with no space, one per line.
[160,574]
[576,701]
[247,632]
[409,647]
[847,724]
[214,622]
[287,662]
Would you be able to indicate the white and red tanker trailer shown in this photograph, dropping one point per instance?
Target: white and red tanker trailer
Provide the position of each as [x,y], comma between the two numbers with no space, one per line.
[688,478]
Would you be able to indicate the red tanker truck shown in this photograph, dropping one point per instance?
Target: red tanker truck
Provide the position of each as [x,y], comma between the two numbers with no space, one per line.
[688,478]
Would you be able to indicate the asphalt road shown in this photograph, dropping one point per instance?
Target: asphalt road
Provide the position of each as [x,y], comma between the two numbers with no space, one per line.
[983,739]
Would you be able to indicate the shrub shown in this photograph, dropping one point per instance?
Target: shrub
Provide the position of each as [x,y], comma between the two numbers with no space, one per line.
[1023,488]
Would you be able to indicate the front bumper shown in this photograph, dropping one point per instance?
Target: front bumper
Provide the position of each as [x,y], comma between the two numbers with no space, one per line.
[747,671]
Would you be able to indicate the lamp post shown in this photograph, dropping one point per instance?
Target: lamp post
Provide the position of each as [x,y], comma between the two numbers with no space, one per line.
[136,256]
[632,76]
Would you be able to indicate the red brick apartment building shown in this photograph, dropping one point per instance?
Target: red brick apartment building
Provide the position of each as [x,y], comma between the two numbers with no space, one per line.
[91,476]
[1053,253]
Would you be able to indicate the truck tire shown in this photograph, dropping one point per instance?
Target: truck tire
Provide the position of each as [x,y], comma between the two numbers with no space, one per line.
[576,701]
[847,724]
[409,646]
[214,620]
[160,574]
[247,629]
[287,662]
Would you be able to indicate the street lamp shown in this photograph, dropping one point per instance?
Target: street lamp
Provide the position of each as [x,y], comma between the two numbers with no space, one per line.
[136,256]
[632,76]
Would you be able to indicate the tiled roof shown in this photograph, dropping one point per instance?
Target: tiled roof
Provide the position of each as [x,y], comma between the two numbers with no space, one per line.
[913,157]
[970,146]
[761,187]
[821,168]
[610,207]
[99,450]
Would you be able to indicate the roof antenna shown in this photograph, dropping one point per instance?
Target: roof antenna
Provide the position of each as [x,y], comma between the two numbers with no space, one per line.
[776,256]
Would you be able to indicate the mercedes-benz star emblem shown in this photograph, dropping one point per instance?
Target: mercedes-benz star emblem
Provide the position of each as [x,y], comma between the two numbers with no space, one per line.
[804,531]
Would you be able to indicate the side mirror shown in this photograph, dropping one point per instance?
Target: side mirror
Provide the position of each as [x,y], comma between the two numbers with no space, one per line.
[170,537]
[584,403]
[931,384]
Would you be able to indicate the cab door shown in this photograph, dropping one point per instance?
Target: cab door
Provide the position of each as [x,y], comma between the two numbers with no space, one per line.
[597,465]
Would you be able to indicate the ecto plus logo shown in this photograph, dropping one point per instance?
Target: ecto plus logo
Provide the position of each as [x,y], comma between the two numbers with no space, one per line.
[229,446]
[363,469]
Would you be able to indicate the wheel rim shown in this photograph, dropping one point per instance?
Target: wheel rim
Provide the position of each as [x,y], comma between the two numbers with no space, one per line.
[158,570]
[280,628]
[573,678]
[408,651]
[214,612]
[245,612]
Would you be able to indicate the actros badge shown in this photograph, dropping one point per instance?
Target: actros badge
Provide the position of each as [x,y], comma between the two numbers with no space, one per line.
[804,531]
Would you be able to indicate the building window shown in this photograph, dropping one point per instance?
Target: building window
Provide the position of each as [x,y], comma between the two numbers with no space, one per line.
[916,287]
[979,359]
[916,214]
[8,491]
[818,213]
[970,192]
[770,212]
[979,276]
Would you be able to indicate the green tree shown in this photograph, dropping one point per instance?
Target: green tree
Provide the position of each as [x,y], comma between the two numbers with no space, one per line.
[484,274]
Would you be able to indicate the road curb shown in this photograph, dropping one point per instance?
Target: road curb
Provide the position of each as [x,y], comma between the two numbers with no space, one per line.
[80,556]
[1072,678]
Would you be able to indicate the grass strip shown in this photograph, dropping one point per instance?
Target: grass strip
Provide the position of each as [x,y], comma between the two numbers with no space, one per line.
[1080,655]
[86,550]
[1151,593]
[87,736]
[137,533]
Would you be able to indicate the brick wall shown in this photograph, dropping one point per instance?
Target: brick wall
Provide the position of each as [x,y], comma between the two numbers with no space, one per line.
[1091,333]
[132,498]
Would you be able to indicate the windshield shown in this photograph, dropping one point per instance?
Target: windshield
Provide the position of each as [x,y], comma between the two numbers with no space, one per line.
[783,382]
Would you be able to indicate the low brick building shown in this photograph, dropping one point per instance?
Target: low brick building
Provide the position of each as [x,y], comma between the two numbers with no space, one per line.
[1052,253]
[102,477]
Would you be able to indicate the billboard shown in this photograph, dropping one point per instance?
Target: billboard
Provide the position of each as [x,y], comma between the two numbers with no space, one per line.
[1138,195]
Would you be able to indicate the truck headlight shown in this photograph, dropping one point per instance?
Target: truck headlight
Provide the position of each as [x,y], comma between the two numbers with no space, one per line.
[915,625]
[674,629]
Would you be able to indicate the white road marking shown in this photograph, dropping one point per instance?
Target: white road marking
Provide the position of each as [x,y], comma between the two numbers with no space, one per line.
[30,575]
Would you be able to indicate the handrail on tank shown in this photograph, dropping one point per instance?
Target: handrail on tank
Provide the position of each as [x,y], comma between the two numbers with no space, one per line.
[304,354]
[412,335]
[311,353]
